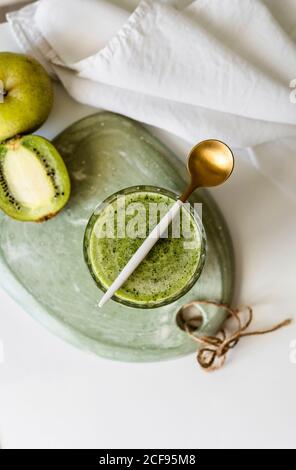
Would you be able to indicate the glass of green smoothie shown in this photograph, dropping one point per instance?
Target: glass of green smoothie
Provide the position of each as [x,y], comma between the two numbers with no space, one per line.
[119,226]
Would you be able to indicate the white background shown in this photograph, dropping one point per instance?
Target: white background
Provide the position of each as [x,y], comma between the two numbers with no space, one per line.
[55,396]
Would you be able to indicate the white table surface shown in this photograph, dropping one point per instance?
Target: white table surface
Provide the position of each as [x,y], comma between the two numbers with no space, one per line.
[55,396]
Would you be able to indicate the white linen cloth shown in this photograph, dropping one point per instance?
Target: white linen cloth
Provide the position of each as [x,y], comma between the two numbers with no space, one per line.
[203,69]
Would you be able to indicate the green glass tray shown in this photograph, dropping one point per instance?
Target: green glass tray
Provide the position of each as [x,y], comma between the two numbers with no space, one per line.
[42,265]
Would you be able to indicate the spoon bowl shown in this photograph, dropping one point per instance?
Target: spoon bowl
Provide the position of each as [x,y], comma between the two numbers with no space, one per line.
[210,163]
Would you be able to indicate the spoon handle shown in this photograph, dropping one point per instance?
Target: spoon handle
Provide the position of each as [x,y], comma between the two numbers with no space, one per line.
[142,252]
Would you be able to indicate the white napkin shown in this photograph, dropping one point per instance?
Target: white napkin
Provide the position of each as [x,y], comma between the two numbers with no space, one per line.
[202,69]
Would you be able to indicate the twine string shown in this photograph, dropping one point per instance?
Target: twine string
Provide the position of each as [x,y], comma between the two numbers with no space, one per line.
[214,349]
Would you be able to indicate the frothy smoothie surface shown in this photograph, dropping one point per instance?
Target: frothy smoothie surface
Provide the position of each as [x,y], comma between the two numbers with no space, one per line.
[169,266]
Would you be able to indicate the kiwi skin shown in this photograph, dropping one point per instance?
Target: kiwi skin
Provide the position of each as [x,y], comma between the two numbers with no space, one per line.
[45,218]
[55,176]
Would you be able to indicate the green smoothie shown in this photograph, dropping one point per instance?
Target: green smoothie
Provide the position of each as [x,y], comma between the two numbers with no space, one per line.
[169,267]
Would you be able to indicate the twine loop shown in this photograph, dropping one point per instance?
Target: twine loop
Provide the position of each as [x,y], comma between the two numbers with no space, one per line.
[213,350]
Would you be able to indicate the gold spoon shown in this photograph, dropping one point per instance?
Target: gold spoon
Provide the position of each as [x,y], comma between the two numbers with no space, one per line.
[210,163]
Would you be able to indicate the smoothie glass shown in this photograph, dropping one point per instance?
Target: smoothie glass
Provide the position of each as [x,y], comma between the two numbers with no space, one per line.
[194,217]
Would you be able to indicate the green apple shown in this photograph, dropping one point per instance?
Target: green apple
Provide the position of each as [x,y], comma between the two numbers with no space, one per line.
[26,95]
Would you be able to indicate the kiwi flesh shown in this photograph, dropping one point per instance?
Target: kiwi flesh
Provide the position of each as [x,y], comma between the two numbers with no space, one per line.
[34,181]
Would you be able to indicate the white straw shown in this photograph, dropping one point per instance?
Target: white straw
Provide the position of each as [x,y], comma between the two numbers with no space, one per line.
[142,252]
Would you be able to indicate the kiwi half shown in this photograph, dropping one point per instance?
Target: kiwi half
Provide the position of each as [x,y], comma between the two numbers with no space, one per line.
[34,181]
